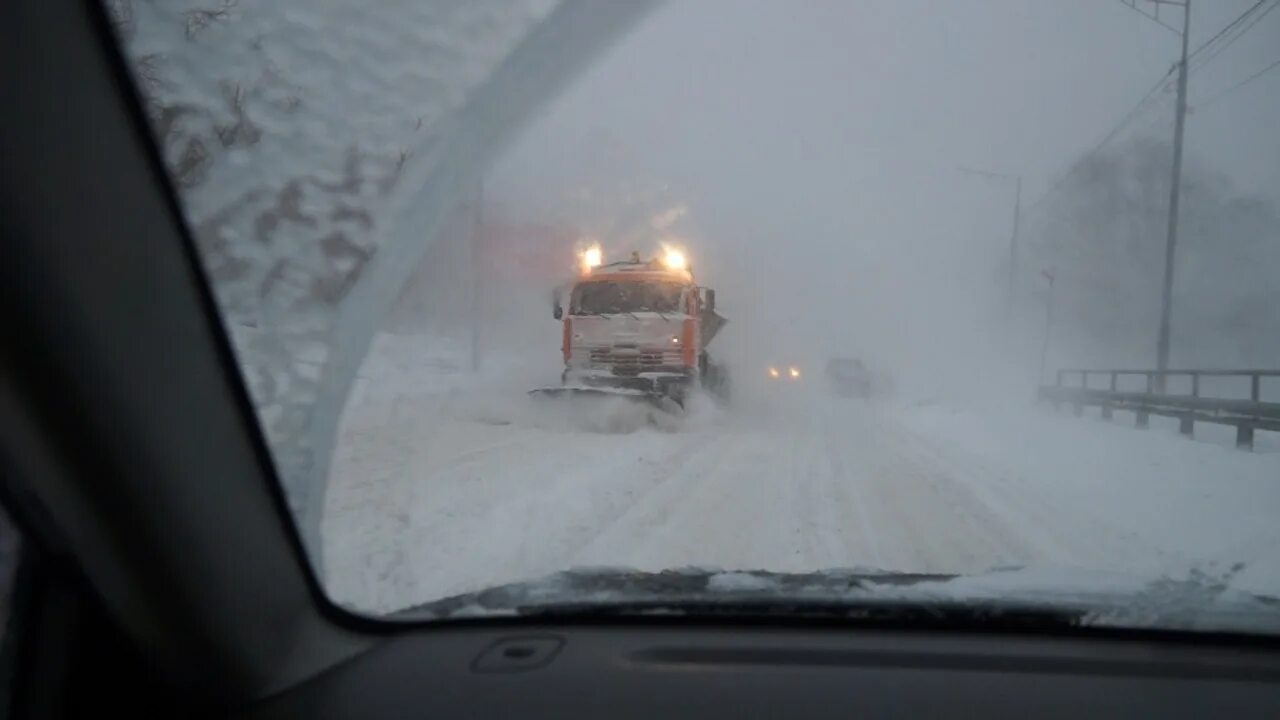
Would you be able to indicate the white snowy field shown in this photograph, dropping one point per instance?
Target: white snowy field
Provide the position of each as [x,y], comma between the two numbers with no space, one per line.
[445,483]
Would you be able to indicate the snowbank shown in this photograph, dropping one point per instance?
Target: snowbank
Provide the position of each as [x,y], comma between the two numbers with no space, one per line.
[1192,502]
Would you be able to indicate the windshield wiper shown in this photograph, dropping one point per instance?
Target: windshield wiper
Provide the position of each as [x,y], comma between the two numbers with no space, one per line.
[933,614]
[1002,598]
[866,599]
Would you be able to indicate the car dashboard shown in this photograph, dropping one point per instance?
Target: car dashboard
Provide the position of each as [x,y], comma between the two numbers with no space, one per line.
[677,671]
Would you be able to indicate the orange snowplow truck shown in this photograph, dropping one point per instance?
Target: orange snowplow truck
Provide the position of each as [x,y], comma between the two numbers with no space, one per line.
[638,328]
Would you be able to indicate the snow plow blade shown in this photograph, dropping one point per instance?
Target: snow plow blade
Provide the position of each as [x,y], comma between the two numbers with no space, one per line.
[655,399]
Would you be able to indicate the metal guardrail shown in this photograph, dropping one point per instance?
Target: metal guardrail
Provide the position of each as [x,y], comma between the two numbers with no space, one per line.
[1245,415]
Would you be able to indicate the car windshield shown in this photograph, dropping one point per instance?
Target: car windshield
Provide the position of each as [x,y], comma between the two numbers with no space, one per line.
[609,297]
[982,301]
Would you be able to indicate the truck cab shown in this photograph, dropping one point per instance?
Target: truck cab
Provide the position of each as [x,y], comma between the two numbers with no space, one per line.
[637,325]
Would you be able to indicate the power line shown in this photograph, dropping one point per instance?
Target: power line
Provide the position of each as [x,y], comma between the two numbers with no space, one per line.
[1246,28]
[1133,5]
[1248,16]
[1218,96]
[1132,113]
[1128,117]
[1227,28]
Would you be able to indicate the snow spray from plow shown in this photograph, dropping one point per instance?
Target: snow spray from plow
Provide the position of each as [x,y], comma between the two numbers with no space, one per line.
[607,410]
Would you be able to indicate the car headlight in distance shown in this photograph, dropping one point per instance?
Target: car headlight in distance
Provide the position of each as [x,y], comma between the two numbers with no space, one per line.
[794,372]
[773,372]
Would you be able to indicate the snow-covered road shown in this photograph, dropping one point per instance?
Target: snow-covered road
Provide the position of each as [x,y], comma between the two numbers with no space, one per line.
[441,494]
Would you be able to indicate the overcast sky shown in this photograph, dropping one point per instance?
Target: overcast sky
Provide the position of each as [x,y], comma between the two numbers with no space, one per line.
[898,87]
[816,142]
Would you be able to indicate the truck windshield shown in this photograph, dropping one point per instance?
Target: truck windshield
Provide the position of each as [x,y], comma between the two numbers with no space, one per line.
[609,297]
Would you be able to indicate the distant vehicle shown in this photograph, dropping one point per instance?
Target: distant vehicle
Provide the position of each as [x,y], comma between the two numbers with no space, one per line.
[784,372]
[849,377]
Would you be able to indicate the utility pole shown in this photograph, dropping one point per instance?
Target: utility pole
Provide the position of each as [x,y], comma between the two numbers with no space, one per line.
[1049,275]
[1175,183]
[477,222]
[1013,244]
[1171,239]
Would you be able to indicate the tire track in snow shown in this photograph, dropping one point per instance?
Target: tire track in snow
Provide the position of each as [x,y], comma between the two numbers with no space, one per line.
[811,507]
[623,538]
[519,506]
[848,488]
[917,516]
[538,509]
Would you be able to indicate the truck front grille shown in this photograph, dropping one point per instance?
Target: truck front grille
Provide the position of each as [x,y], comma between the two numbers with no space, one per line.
[633,362]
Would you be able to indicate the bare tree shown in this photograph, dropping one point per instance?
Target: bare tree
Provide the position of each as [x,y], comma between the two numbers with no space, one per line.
[1106,234]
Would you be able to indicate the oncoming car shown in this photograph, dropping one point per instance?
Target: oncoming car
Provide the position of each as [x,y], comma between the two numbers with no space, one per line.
[784,372]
